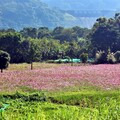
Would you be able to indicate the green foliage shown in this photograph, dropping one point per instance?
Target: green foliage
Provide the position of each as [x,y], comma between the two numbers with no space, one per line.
[1,105]
[101,57]
[73,49]
[84,57]
[65,106]
[105,34]
[44,32]
[111,58]
[34,51]
[29,32]
[49,48]
[11,42]
[36,96]
[32,44]
[70,34]
[4,60]
[105,57]
[117,56]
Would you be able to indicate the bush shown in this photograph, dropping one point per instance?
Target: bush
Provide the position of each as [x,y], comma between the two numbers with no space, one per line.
[101,57]
[84,57]
[117,56]
[105,57]
[111,59]
[1,105]
[4,60]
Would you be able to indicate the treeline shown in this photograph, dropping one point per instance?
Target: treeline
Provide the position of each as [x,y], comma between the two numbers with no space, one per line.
[39,44]
[105,34]
[105,39]
[32,44]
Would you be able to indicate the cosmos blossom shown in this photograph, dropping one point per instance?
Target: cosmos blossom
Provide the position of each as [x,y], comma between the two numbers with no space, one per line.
[105,76]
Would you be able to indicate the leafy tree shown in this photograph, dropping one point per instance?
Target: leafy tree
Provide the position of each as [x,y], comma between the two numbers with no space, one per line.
[72,50]
[81,32]
[29,32]
[33,53]
[49,48]
[106,34]
[64,34]
[4,60]
[11,42]
[19,44]
[44,32]
[57,33]
[84,57]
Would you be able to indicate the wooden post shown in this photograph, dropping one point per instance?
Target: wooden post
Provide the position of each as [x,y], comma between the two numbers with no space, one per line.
[71,62]
[31,65]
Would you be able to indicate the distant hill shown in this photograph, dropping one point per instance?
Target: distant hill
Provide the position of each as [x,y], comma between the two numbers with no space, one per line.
[52,13]
[84,4]
[86,11]
[31,13]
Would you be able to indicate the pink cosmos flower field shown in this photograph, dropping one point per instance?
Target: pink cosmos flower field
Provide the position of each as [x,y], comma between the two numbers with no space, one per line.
[104,76]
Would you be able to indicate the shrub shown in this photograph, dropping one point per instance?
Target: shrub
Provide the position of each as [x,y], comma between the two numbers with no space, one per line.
[4,60]
[117,56]
[1,105]
[84,57]
[101,57]
[111,59]
[105,57]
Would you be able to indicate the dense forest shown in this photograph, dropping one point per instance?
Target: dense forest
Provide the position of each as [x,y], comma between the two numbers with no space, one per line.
[43,44]
[40,44]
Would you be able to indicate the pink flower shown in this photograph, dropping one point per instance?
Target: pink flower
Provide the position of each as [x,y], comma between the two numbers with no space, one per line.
[104,76]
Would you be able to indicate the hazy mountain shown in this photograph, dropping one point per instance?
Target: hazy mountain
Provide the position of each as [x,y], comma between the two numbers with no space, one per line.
[86,11]
[84,4]
[31,13]
[51,13]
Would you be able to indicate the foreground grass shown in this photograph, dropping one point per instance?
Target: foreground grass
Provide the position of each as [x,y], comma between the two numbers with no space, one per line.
[87,105]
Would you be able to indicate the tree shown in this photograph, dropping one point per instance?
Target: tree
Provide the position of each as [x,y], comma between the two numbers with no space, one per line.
[44,32]
[72,50]
[34,54]
[106,34]
[11,42]
[84,57]
[4,60]
[80,32]
[29,32]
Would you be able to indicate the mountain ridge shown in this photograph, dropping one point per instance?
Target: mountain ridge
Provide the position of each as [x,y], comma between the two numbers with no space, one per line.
[84,4]
[51,13]
[16,14]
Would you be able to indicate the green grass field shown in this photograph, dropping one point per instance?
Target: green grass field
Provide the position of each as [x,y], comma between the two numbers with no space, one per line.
[69,103]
